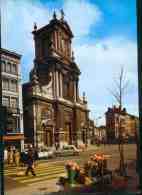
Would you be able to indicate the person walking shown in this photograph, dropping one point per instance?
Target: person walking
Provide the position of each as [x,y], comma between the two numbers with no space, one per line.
[17,157]
[10,156]
[30,163]
[23,158]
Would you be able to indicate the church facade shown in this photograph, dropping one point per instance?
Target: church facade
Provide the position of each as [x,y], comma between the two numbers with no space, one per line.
[54,114]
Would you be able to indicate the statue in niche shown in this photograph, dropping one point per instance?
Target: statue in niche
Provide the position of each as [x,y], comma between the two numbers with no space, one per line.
[47,88]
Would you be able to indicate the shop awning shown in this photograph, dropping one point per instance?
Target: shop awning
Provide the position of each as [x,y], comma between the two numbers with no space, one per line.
[14,137]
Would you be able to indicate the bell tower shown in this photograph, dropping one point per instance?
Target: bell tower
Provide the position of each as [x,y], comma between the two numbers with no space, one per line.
[53,55]
[53,40]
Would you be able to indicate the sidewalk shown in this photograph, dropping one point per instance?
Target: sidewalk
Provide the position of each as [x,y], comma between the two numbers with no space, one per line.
[39,188]
[133,181]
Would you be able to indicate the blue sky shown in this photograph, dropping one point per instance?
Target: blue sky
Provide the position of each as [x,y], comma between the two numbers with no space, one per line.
[104,41]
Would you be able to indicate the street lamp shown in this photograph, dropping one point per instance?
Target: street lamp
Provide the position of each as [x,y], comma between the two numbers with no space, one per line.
[99,133]
[53,125]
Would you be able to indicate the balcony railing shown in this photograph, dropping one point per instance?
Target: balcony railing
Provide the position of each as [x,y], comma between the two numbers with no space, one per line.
[12,131]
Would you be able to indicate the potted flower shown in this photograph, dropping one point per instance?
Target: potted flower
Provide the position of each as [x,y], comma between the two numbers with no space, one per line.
[72,171]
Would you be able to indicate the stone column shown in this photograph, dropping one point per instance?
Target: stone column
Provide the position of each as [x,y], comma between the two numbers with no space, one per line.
[55,34]
[75,91]
[57,84]
[54,85]
[35,124]
[61,84]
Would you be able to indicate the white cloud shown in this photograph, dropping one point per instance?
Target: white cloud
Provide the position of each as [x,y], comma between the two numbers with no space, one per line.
[100,64]
[81,16]
[18,18]
[99,61]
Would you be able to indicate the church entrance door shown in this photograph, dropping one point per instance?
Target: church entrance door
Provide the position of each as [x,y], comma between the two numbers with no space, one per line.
[48,137]
[68,134]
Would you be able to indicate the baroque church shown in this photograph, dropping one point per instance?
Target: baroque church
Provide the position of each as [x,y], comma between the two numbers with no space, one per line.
[54,114]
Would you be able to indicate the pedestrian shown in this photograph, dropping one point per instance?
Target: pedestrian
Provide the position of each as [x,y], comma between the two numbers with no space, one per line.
[36,157]
[17,157]
[10,156]
[56,145]
[23,158]
[30,163]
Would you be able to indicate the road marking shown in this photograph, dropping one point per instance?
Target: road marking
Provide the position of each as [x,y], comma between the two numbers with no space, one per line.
[36,167]
[43,173]
[40,174]
[35,180]
[27,179]
[36,170]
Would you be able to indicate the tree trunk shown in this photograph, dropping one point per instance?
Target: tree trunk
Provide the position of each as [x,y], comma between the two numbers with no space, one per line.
[122,163]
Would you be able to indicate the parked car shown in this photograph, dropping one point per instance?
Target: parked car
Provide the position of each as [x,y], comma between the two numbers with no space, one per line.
[68,150]
[45,153]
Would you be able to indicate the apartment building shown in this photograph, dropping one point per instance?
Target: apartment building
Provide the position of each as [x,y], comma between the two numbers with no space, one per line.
[12,98]
[118,119]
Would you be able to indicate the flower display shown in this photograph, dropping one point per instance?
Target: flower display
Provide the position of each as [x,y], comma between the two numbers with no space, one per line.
[92,171]
[71,165]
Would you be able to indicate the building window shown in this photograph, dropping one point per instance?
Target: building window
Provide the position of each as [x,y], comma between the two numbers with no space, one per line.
[15,124]
[13,86]
[8,67]
[3,66]
[66,90]
[14,103]
[5,84]
[63,45]
[5,101]
[45,44]
[13,68]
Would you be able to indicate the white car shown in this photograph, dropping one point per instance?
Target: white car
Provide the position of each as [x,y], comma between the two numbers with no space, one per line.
[68,150]
[45,153]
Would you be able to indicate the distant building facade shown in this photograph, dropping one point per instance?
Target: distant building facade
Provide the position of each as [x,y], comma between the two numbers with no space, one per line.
[91,134]
[54,114]
[117,119]
[100,134]
[12,98]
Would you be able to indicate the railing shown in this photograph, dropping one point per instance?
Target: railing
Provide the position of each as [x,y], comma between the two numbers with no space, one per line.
[14,131]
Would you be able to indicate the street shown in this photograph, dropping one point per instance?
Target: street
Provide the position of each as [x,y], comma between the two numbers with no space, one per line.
[51,170]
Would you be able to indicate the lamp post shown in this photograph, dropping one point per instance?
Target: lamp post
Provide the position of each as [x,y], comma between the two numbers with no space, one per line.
[53,132]
[96,124]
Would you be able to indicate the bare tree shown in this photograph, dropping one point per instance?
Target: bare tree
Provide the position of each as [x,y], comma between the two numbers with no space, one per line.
[118,93]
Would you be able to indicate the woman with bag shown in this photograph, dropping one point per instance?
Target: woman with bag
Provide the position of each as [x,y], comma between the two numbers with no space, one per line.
[17,157]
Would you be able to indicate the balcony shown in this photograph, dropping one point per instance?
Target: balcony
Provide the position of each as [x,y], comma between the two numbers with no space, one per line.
[13,131]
